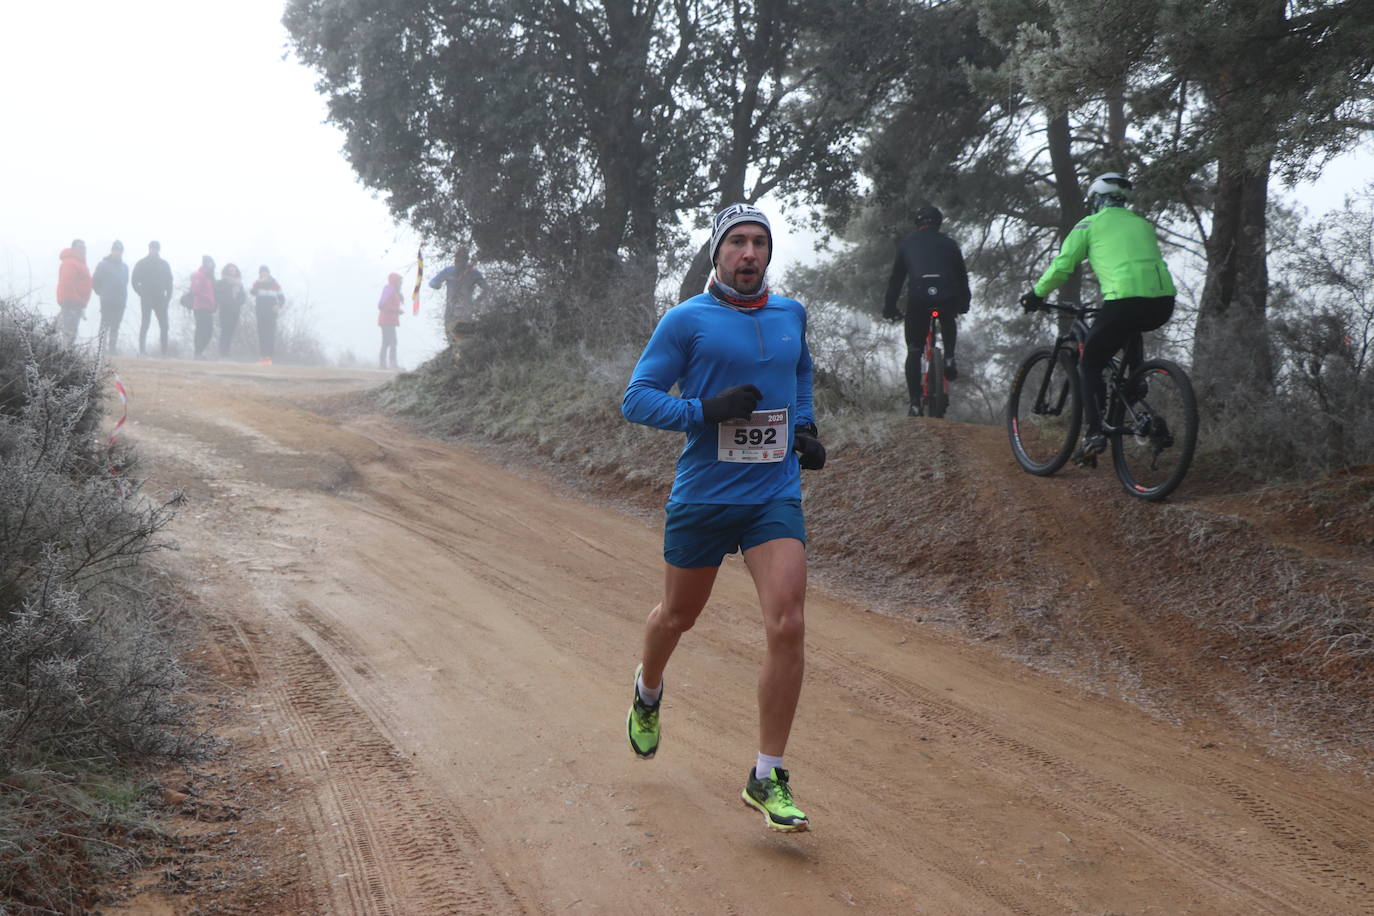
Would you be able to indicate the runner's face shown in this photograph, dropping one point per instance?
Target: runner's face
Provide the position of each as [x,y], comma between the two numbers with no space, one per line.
[743,257]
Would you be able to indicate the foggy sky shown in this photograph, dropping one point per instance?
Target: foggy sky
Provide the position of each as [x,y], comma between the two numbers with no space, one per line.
[181,122]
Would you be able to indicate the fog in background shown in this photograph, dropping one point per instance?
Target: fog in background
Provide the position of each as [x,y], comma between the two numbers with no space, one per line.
[188,122]
[182,122]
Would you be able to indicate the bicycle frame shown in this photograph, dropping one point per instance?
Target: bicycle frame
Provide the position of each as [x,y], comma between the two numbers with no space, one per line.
[1072,343]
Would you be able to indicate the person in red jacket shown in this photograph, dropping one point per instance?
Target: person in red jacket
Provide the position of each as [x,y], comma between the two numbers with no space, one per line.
[389,309]
[73,289]
[203,303]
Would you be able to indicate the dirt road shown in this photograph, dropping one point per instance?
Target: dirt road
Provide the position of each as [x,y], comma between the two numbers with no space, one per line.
[431,655]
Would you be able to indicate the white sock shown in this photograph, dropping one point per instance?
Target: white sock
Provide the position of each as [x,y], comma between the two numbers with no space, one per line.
[765,764]
[647,696]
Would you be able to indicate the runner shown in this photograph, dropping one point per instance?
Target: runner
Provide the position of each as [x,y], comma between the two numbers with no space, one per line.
[730,351]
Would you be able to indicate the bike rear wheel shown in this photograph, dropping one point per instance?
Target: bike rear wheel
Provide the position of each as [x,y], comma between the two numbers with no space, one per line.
[1156,429]
[1044,411]
[937,399]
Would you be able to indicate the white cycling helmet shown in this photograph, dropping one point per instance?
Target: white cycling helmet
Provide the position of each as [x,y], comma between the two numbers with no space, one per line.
[1109,189]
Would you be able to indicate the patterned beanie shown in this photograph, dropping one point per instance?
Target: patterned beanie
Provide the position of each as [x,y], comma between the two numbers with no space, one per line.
[732,216]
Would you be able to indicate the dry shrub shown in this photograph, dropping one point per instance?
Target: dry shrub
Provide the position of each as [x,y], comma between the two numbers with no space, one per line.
[90,685]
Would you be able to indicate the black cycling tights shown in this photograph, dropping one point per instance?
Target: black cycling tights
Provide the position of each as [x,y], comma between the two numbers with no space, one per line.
[917,323]
[1119,325]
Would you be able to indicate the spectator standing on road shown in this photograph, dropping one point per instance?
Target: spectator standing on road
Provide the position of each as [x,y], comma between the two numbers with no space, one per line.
[460,279]
[203,303]
[932,265]
[111,283]
[152,280]
[229,300]
[267,303]
[73,289]
[389,308]
[737,356]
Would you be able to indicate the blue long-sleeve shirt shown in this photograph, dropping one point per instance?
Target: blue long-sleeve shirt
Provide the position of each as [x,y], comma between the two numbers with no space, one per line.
[705,346]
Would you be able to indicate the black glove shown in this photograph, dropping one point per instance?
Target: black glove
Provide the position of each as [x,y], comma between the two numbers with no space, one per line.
[1031,302]
[808,447]
[732,403]
[891,314]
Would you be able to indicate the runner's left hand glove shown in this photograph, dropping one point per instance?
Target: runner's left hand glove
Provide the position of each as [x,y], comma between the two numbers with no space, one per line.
[809,449]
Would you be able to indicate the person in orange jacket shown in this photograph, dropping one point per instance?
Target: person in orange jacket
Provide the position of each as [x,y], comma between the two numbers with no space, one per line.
[73,289]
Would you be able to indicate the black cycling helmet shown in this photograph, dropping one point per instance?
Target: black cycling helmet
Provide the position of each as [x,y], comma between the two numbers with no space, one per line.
[929,216]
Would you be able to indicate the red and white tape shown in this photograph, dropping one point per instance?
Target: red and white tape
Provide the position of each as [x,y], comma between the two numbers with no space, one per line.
[124,401]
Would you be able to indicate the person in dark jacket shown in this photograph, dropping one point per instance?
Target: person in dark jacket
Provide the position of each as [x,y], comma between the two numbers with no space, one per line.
[933,266]
[229,298]
[110,282]
[460,281]
[152,280]
[267,303]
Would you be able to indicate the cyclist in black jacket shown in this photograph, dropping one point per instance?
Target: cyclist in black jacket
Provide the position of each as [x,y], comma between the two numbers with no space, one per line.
[934,265]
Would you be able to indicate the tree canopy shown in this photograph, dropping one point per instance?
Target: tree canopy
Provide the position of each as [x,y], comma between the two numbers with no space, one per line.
[580,138]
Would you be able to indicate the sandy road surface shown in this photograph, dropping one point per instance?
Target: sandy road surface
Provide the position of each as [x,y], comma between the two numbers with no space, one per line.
[437,651]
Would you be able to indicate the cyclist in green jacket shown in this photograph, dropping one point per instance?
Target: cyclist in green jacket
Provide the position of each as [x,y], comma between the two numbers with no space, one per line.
[1137,290]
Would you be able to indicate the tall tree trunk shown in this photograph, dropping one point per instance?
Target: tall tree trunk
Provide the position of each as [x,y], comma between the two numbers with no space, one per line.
[733,173]
[1071,207]
[763,49]
[1231,346]
[694,280]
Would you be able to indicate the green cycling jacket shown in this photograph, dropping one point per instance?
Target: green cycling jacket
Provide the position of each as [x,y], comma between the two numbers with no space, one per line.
[1123,252]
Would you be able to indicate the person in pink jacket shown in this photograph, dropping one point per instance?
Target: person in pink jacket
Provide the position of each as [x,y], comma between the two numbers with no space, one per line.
[73,289]
[389,309]
[203,303]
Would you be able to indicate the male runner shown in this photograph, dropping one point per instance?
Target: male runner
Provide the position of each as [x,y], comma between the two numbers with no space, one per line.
[739,358]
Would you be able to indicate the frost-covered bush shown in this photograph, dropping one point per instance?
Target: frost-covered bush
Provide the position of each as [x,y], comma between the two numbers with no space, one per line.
[90,685]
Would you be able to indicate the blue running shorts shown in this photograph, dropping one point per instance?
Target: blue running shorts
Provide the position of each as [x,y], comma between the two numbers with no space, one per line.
[701,534]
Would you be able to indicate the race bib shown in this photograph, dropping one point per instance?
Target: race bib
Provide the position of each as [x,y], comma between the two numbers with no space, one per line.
[760,439]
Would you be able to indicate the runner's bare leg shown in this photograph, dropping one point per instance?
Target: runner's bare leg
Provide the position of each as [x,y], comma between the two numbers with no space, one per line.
[779,571]
[685,592]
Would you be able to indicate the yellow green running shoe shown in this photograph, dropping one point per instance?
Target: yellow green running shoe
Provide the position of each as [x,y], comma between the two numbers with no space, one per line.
[642,723]
[773,797]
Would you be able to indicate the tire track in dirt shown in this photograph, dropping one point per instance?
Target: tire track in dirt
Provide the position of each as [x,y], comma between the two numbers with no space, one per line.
[421,858]
[1091,799]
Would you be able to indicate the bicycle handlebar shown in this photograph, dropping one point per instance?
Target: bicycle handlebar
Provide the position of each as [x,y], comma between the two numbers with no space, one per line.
[1076,309]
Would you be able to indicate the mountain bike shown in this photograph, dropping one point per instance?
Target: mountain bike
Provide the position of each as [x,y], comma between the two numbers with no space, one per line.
[934,385]
[1150,418]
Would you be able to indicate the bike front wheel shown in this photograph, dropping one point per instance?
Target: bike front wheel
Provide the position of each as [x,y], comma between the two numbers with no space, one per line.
[1157,432]
[1044,411]
[937,399]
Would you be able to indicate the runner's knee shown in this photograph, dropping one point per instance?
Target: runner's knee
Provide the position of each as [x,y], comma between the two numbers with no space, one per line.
[786,629]
[678,618]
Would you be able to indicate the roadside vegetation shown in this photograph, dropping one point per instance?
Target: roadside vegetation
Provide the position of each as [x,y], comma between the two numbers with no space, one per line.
[91,689]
